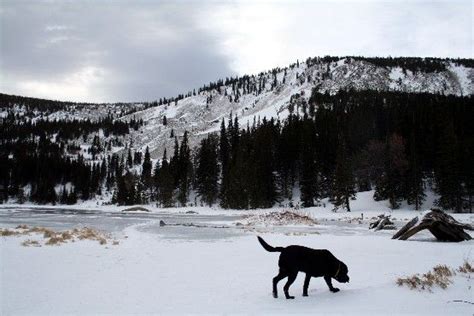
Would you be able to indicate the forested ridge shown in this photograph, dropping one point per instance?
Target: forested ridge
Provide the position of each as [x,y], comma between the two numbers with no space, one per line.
[399,144]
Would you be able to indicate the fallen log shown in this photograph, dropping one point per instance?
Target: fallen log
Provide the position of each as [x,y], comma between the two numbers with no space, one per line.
[405,228]
[382,222]
[443,226]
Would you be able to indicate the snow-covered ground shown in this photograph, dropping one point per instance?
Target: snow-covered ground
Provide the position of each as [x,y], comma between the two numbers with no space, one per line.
[207,263]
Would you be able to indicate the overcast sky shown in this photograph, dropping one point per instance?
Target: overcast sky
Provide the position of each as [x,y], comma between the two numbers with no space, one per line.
[108,51]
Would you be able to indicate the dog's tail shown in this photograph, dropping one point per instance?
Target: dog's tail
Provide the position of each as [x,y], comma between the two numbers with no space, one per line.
[268,247]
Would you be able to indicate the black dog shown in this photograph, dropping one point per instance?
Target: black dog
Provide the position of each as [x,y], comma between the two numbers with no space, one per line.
[313,262]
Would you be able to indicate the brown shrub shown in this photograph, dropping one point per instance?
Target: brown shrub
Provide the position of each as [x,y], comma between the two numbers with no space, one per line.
[54,241]
[56,238]
[7,232]
[66,235]
[412,282]
[288,217]
[440,276]
[48,233]
[466,267]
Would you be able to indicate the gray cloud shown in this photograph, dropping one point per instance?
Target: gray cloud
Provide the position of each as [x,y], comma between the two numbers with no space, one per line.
[107,51]
[88,50]
[286,30]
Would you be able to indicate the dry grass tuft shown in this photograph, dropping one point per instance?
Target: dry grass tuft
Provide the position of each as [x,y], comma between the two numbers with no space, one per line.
[48,233]
[466,268]
[57,238]
[301,233]
[288,217]
[440,275]
[85,233]
[66,235]
[7,232]
[54,241]
[412,282]
[91,234]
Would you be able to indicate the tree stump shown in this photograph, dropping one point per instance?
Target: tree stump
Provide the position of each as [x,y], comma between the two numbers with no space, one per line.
[443,226]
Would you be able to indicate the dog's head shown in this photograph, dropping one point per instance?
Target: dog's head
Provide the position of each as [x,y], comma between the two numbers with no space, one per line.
[342,274]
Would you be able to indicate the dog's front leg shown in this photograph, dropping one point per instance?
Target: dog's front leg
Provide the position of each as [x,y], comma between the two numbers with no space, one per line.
[329,283]
[286,288]
[306,284]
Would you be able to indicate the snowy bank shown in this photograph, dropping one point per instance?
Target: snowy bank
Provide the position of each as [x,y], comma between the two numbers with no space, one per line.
[148,273]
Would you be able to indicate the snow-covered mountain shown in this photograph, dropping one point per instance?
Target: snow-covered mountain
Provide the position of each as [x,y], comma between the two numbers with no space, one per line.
[251,98]
[270,95]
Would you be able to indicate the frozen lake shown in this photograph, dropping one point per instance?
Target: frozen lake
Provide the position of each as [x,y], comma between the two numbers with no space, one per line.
[178,225]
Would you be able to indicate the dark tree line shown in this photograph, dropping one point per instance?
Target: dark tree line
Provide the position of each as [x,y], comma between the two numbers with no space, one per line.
[32,107]
[394,143]
[414,64]
[14,127]
[331,146]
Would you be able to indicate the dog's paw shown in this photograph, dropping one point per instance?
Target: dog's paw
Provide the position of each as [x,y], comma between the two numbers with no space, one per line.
[275,295]
[290,297]
[305,294]
[335,290]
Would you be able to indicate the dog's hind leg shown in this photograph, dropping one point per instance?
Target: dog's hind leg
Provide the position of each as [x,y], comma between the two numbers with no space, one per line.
[291,279]
[306,284]
[329,283]
[281,275]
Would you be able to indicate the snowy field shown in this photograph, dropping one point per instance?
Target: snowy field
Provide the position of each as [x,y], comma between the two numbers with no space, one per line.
[210,262]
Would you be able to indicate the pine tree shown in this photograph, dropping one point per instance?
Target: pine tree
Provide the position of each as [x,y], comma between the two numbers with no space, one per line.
[262,181]
[129,195]
[64,196]
[137,158]
[129,159]
[103,169]
[448,185]
[121,193]
[415,187]
[21,198]
[165,186]
[238,176]
[396,170]
[343,184]
[72,197]
[308,170]
[184,170]
[391,182]
[467,173]
[146,169]
[207,171]
[224,157]
[43,192]
[174,163]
